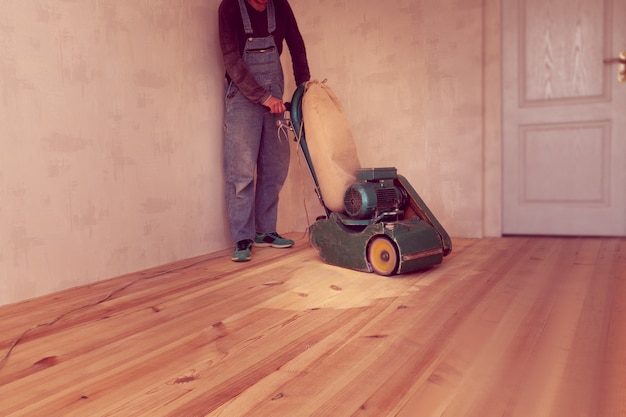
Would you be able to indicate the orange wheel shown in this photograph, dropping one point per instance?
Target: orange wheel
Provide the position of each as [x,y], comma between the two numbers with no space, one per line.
[382,256]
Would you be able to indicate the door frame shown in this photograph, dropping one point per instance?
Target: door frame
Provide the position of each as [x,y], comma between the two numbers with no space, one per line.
[492,119]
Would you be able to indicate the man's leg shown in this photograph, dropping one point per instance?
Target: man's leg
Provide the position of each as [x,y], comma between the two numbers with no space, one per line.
[272,168]
[242,136]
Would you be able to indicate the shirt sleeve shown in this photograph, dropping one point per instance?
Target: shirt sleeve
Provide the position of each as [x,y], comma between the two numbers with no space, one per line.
[235,66]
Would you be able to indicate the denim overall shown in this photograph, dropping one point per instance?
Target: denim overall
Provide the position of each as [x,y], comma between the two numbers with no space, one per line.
[251,140]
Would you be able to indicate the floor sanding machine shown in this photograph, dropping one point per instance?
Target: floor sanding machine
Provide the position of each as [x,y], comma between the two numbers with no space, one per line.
[383,227]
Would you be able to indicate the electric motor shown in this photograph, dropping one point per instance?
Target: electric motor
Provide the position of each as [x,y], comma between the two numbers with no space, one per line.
[367,199]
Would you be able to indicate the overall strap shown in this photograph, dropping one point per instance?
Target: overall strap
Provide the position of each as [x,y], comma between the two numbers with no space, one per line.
[271,17]
[247,25]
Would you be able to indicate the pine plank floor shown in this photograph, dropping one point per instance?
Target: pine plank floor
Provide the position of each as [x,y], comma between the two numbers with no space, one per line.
[514,326]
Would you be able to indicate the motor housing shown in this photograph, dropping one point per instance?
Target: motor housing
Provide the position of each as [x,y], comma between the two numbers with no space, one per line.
[373,194]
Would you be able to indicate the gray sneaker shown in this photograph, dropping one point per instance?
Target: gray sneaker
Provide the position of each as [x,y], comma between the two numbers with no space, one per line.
[243,251]
[273,240]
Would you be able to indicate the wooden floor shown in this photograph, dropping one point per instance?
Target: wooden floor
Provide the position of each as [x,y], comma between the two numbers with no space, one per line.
[520,327]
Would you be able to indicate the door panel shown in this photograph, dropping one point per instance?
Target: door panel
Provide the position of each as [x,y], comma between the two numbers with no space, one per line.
[564,118]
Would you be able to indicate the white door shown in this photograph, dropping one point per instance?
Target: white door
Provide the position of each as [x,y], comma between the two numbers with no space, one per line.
[564,117]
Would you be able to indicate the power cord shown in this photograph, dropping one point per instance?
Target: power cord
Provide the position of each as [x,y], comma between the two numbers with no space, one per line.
[284,126]
[106,298]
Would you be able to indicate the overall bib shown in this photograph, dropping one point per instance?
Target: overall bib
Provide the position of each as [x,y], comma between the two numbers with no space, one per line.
[251,140]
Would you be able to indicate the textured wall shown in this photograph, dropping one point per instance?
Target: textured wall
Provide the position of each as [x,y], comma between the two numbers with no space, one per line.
[110,136]
[410,76]
[111,125]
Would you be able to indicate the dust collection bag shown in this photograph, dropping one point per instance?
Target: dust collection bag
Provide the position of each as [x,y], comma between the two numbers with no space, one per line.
[330,142]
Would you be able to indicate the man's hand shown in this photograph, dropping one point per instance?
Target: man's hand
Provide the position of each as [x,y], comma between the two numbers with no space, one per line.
[275,105]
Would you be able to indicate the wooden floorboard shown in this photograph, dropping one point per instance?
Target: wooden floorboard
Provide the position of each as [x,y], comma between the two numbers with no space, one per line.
[514,326]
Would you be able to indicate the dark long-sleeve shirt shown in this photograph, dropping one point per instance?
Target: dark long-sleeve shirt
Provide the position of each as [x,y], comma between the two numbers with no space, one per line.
[233,40]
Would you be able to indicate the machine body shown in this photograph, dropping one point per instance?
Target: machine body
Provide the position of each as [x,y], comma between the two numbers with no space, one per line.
[385,226]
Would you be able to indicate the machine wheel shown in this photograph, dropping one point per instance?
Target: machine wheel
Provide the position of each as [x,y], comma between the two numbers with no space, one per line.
[382,256]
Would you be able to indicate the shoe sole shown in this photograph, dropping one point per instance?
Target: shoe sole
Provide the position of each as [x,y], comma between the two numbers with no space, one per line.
[272,245]
[236,259]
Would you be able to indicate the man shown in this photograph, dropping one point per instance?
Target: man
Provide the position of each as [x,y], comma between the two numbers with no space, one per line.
[251,37]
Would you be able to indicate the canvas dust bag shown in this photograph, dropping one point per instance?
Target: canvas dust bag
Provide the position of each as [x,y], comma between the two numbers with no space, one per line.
[330,142]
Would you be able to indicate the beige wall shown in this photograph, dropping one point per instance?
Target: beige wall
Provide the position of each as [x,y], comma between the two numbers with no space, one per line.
[420,81]
[111,120]
[109,137]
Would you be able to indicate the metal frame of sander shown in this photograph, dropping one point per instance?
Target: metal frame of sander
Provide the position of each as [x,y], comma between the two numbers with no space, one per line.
[386,227]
